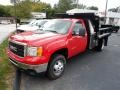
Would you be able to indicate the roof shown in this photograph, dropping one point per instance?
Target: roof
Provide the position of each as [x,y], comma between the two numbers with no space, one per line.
[76,10]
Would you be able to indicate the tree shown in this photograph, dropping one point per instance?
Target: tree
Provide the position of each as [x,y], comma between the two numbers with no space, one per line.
[79,6]
[7,10]
[38,7]
[23,9]
[92,8]
[35,1]
[113,9]
[4,11]
[64,5]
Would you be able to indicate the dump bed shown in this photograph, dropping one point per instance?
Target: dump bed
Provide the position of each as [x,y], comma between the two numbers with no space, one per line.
[114,28]
[103,32]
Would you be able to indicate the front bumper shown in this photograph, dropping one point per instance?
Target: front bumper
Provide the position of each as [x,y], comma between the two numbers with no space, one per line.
[37,68]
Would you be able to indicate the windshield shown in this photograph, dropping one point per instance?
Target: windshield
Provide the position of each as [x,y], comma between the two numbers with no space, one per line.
[37,22]
[57,26]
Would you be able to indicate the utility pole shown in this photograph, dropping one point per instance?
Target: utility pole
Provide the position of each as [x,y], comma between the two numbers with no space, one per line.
[15,17]
[77,2]
[15,14]
[106,11]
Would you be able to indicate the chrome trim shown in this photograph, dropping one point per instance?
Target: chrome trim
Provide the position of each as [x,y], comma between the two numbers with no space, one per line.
[36,68]
[19,43]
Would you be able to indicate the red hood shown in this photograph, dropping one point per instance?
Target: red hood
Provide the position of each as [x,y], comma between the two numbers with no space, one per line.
[34,39]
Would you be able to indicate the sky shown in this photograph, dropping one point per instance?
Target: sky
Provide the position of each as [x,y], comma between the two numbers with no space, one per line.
[99,3]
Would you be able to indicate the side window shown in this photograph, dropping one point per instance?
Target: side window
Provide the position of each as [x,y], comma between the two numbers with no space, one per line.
[76,28]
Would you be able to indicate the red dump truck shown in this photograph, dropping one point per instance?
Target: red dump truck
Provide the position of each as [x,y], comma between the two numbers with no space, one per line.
[48,49]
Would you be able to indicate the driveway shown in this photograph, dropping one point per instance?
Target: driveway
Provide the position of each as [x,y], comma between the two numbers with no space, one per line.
[5,31]
[88,71]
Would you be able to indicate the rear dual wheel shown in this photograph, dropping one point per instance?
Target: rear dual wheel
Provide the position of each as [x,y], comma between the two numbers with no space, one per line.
[101,44]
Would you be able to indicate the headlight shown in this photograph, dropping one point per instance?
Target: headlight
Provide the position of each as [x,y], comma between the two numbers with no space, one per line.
[34,51]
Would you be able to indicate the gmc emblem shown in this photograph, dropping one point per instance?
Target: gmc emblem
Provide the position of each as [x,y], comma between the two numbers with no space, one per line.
[13,48]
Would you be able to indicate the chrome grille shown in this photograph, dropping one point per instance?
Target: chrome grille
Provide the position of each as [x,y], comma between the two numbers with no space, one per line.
[17,49]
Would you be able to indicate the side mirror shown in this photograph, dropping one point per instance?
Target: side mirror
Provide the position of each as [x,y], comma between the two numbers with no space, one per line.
[82,31]
[75,33]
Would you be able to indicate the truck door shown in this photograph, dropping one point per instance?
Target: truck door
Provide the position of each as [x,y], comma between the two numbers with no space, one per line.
[78,42]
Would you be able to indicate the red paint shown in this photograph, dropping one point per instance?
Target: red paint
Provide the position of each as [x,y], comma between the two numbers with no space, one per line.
[50,43]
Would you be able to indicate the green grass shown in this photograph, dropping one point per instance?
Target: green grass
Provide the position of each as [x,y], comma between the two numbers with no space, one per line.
[5,67]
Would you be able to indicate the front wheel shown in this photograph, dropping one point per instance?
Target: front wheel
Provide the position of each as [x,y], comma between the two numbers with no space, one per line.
[56,66]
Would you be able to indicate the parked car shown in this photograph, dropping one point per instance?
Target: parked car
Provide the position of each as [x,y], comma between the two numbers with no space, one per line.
[48,49]
[5,22]
[31,26]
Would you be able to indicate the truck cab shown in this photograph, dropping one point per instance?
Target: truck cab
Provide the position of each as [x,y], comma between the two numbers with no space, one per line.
[48,49]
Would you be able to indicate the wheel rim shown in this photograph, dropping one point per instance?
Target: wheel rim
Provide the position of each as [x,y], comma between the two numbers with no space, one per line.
[58,67]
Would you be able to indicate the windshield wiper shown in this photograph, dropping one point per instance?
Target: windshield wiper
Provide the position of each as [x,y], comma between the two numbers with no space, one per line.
[51,31]
[39,31]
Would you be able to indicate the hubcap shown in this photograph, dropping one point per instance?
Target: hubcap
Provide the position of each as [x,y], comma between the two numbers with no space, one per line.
[58,67]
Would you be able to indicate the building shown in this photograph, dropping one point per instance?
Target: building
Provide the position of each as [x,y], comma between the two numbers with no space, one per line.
[7,19]
[113,18]
[38,15]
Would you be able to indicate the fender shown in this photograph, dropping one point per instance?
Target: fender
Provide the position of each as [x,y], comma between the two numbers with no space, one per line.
[54,46]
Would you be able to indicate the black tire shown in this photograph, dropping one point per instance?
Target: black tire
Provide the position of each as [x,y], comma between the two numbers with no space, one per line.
[54,71]
[100,46]
[116,31]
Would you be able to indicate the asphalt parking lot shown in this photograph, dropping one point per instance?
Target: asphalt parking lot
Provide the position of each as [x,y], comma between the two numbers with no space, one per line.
[88,71]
